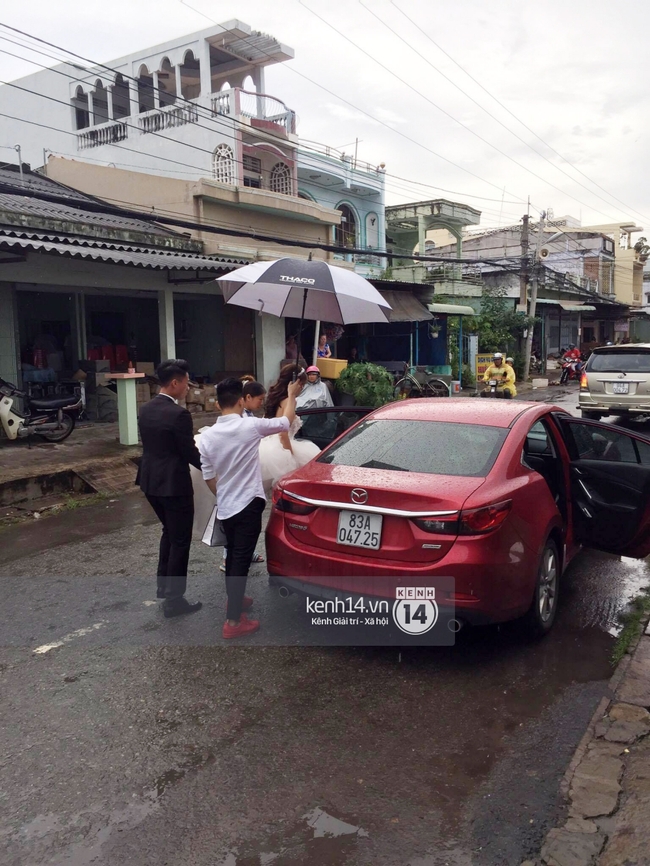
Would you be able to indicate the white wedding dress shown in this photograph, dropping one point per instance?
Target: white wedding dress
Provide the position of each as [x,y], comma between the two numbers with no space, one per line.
[277,461]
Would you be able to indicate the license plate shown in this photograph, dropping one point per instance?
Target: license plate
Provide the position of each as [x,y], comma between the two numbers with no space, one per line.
[359,529]
[621,388]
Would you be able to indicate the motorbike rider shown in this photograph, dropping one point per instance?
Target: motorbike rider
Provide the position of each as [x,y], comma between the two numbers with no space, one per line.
[572,361]
[504,375]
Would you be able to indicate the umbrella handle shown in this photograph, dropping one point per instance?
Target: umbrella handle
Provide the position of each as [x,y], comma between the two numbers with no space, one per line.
[302,318]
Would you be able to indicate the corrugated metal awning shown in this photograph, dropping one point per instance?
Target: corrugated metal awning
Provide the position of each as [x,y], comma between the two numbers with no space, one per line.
[568,306]
[138,257]
[452,309]
[405,307]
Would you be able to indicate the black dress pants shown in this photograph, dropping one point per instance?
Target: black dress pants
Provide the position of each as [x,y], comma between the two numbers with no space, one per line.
[242,531]
[176,514]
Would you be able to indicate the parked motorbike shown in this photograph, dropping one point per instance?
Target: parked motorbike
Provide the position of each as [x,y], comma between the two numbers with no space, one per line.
[52,418]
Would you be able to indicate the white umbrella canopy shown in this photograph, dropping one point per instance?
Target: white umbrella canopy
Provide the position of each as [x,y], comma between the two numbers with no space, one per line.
[299,289]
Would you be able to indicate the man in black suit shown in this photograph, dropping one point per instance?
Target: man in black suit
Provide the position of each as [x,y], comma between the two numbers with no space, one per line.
[168,450]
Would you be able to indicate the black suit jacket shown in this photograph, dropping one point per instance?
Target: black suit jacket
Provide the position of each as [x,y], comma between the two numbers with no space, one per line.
[168,448]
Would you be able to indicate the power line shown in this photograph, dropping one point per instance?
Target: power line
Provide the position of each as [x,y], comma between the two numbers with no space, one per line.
[208,117]
[99,206]
[446,113]
[511,113]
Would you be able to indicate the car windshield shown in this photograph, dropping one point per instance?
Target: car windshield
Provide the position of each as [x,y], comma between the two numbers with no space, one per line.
[433,447]
[619,362]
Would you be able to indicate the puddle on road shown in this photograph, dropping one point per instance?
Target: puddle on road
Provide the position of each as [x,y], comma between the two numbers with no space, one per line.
[599,586]
[318,838]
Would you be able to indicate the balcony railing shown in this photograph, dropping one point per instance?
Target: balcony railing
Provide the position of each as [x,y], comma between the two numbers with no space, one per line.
[168,118]
[109,133]
[340,155]
[256,106]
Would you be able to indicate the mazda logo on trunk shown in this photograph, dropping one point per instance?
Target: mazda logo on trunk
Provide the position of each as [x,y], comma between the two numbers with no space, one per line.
[359,496]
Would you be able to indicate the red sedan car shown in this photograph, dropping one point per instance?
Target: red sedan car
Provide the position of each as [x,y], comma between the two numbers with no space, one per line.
[499,495]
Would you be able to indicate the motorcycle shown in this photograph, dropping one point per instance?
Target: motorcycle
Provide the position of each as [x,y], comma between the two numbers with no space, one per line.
[571,369]
[52,418]
[492,390]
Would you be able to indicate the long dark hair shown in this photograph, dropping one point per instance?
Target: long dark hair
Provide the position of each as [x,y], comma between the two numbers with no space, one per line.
[278,390]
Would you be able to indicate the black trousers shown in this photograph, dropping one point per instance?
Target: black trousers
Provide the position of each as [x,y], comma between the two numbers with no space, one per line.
[176,514]
[242,531]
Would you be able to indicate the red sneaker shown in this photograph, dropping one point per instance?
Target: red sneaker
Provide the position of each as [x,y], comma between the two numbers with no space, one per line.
[247,603]
[245,627]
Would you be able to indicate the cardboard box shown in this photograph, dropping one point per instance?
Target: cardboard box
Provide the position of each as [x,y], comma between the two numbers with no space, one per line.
[195,396]
[210,404]
[194,408]
[330,368]
[147,367]
[209,391]
[142,392]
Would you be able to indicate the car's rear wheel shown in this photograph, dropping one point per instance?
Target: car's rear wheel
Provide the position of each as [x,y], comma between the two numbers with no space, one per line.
[543,610]
[591,416]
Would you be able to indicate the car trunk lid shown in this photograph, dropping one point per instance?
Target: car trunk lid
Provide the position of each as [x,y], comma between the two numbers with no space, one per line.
[392,498]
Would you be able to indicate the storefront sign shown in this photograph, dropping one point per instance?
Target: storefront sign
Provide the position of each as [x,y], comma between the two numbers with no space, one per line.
[483,361]
[622,325]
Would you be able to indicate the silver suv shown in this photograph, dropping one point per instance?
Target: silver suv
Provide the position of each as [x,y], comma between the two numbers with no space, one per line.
[616,381]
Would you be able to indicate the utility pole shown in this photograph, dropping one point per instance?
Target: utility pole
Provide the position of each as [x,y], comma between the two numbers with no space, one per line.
[523,274]
[533,294]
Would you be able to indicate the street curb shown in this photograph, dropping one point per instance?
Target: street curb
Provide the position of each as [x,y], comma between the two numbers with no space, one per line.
[562,841]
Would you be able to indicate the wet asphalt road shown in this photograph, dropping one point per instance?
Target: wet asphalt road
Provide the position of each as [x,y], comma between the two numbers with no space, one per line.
[136,740]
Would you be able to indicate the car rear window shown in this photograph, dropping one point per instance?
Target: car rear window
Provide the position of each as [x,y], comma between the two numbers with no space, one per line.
[433,447]
[619,362]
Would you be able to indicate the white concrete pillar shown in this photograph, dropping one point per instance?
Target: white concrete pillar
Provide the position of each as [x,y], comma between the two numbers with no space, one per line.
[109,102]
[156,92]
[269,348]
[9,342]
[422,236]
[166,324]
[258,79]
[134,99]
[179,81]
[204,61]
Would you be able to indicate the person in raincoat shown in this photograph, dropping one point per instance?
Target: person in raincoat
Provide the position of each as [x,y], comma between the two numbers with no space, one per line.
[503,373]
[315,394]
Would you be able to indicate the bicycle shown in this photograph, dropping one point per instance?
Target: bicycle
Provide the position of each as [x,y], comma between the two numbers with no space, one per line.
[428,385]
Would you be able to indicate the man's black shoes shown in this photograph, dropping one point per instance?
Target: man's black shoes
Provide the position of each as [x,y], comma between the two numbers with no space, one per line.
[180,607]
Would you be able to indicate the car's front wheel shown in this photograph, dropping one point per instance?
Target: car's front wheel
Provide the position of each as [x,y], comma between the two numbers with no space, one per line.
[543,610]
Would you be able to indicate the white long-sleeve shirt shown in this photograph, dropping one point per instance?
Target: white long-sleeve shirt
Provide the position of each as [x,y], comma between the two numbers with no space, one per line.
[230,453]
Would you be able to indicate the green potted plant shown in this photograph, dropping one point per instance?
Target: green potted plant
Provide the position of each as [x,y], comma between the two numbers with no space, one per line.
[365,385]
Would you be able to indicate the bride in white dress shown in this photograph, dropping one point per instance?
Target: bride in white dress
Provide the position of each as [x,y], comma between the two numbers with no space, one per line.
[281,453]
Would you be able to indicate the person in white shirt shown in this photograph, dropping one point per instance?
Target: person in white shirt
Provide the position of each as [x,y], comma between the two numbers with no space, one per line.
[231,468]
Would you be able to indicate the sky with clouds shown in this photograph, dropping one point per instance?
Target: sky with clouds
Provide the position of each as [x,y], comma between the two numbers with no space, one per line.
[452,100]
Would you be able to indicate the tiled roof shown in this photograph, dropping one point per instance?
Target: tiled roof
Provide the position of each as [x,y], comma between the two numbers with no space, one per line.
[12,200]
[118,254]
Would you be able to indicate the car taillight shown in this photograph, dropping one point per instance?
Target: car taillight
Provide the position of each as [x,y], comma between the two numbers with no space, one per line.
[444,525]
[477,521]
[583,382]
[290,506]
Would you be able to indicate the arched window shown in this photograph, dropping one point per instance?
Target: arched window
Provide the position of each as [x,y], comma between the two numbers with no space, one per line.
[190,77]
[281,178]
[248,84]
[121,98]
[80,105]
[346,233]
[223,164]
[225,86]
[100,104]
[145,90]
[166,83]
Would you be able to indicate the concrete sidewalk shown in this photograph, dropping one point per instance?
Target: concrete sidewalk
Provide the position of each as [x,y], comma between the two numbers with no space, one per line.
[607,784]
[29,468]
